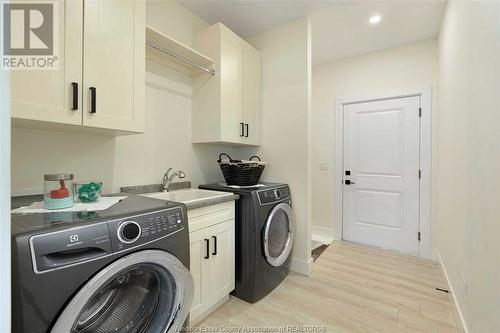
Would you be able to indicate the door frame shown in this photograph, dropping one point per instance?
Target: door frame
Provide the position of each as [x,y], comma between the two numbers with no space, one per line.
[425,94]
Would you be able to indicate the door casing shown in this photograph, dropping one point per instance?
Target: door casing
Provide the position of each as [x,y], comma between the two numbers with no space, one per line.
[425,94]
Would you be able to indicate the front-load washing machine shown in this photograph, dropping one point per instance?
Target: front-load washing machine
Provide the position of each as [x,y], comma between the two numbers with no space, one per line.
[123,269]
[264,237]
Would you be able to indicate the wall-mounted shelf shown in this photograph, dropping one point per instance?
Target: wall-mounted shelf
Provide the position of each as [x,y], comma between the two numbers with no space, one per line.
[163,49]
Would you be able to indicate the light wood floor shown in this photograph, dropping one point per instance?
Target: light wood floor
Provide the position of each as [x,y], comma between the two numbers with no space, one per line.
[353,288]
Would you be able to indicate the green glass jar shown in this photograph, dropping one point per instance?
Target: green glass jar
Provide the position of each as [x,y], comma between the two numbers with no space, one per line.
[88,192]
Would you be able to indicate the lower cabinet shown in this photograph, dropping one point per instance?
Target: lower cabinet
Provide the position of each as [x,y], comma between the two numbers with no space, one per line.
[212,258]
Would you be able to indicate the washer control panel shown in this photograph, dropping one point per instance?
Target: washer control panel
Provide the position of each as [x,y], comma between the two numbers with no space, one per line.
[73,246]
[273,195]
[133,231]
[129,232]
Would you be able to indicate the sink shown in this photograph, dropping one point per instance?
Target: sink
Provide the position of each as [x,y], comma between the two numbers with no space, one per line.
[187,196]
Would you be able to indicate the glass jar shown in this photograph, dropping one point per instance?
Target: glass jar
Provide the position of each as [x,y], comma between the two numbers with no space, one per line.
[88,192]
[58,192]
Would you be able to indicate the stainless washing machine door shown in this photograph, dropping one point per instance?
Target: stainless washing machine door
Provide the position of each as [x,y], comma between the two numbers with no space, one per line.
[148,291]
[279,234]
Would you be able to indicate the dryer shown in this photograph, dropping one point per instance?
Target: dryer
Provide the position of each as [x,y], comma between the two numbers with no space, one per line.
[121,269]
[264,237]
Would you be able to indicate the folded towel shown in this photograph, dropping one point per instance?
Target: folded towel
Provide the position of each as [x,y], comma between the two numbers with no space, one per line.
[102,204]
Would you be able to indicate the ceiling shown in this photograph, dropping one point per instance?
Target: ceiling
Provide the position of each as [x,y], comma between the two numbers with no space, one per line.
[340,29]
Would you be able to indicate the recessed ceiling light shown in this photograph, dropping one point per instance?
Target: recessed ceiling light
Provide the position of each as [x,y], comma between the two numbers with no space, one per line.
[375,19]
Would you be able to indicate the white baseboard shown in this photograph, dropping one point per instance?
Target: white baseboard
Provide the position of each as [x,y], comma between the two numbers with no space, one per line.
[207,312]
[459,311]
[434,254]
[301,266]
[322,234]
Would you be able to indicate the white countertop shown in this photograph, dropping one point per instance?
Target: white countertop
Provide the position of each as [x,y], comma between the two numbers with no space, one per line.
[194,198]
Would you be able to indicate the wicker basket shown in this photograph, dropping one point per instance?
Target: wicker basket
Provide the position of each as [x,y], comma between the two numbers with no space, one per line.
[241,173]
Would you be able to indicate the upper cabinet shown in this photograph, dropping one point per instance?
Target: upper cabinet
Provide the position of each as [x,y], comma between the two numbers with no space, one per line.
[100,82]
[114,64]
[54,95]
[251,94]
[226,106]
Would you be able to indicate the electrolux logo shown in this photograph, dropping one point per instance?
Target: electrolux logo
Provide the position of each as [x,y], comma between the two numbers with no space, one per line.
[30,35]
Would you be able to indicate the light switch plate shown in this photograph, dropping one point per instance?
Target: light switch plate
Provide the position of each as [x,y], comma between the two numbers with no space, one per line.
[323,166]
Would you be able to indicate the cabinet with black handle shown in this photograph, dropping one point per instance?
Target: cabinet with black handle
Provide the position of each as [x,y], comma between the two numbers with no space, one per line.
[86,87]
[211,257]
[227,106]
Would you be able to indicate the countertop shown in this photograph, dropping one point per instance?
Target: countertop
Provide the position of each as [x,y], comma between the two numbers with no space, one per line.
[27,200]
[153,188]
[211,201]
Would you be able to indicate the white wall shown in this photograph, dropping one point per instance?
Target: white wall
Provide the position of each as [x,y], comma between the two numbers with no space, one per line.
[285,117]
[129,160]
[394,69]
[173,19]
[469,159]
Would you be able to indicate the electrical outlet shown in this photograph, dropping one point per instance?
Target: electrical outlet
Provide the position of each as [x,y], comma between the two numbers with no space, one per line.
[462,282]
[323,166]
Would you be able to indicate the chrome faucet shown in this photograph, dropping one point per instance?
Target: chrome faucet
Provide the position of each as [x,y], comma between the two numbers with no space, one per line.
[167,178]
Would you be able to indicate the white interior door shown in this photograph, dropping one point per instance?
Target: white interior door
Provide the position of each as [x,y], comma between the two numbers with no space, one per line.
[381,163]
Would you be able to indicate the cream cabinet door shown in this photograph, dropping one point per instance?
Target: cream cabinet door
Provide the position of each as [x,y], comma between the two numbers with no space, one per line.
[251,94]
[231,78]
[212,266]
[114,63]
[199,242]
[221,262]
[47,95]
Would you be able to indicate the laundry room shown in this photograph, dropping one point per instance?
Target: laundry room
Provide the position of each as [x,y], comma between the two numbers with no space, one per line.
[214,165]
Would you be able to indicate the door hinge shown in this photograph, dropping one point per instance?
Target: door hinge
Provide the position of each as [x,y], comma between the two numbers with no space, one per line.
[420,112]
[419,174]
[418,236]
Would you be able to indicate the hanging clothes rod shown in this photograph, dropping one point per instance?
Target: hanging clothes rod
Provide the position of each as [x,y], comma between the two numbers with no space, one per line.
[173,55]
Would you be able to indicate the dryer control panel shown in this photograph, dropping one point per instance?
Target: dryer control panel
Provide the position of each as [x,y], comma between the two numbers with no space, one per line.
[273,195]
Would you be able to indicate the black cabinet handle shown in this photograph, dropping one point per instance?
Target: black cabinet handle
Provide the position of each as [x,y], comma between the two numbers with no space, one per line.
[215,245]
[246,128]
[242,129]
[75,96]
[207,255]
[93,98]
